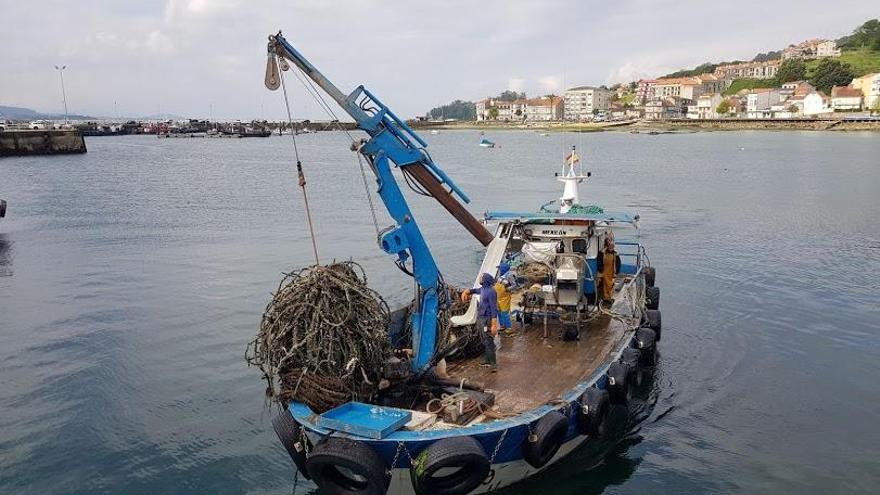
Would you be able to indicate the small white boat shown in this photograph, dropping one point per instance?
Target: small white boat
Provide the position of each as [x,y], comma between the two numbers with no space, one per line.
[485,143]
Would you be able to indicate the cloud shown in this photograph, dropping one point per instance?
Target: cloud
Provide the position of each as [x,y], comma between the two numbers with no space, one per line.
[186,56]
[550,84]
[516,84]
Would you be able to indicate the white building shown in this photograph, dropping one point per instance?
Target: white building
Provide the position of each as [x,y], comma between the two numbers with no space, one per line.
[495,109]
[748,70]
[684,87]
[545,108]
[581,102]
[845,99]
[811,49]
[760,101]
[816,103]
[706,106]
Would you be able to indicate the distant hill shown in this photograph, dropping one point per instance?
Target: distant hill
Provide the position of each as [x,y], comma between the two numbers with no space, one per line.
[20,113]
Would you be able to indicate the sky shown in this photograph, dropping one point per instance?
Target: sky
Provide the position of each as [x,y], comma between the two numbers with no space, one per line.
[206,58]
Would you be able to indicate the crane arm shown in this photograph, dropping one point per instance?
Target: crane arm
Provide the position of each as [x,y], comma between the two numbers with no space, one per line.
[393,142]
[387,133]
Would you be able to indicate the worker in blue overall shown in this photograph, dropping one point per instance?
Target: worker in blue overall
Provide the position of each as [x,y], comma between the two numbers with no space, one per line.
[487,317]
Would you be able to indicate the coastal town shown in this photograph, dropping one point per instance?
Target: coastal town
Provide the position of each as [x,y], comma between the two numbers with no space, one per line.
[798,86]
[703,96]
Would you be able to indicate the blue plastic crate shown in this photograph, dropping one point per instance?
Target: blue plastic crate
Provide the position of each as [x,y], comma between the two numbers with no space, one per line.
[364,420]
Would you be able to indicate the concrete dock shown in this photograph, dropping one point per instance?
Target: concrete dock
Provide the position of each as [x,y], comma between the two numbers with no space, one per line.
[41,142]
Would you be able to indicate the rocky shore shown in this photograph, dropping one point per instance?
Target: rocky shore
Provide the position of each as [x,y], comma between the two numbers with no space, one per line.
[665,126]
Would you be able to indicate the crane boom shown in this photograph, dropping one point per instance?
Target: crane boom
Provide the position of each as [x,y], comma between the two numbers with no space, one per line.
[393,141]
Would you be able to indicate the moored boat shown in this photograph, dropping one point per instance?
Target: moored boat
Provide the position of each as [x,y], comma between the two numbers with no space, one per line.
[587,324]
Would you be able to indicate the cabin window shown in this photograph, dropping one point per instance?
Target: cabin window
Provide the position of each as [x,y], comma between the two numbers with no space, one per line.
[579,246]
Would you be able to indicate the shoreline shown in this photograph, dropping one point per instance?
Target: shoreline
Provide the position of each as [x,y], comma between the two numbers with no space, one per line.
[668,126]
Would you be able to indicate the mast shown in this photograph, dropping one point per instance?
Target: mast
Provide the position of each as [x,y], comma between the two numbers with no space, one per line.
[571,176]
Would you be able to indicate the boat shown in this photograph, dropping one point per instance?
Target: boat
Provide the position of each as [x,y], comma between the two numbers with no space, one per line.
[434,132]
[485,143]
[572,358]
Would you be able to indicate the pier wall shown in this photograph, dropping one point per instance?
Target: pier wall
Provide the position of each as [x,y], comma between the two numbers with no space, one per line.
[41,142]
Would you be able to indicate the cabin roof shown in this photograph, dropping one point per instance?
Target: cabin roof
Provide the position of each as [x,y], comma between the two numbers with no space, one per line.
[608,216]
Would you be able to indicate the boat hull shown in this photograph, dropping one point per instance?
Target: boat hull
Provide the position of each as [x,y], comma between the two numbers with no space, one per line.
[501,440]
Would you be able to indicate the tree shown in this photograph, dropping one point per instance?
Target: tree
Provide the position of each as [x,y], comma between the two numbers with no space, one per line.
[793,109]
[875,108]
[793,69]
[458,109]
[493,113]
[771,55]
[511,96]
[831,72]
[876,45]
[707,67]
[863,35]
[723,108]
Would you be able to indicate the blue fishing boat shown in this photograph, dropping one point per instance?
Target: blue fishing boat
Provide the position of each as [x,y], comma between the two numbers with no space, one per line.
[485,143]
[583,298]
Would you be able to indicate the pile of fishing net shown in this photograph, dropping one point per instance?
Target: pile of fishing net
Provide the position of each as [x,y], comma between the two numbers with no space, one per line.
[323,338]
[534,271]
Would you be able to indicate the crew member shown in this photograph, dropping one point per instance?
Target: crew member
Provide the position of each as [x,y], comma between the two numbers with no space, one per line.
[502,288]
[487,317]
[610,265]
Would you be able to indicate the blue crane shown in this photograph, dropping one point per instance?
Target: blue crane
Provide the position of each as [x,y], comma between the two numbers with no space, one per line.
[392,141]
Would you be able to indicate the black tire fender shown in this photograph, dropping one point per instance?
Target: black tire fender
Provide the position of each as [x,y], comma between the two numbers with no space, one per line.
[546,438]
[592,411]
[363,472]
[652,297]
[292,438]
[463,453]
[646,341]
[631,357]
[654,322]
[650,275]
[2,208]
[618,383]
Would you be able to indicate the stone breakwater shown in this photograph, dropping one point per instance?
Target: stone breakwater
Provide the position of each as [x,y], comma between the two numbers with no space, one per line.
[41,142]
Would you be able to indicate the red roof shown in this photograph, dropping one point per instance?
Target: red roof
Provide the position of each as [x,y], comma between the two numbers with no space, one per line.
[845,92]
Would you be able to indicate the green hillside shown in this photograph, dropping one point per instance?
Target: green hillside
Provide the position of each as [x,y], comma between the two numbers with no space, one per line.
[863,61]
[741,84]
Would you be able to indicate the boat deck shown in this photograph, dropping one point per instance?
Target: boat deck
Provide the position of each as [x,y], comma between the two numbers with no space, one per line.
[533,371]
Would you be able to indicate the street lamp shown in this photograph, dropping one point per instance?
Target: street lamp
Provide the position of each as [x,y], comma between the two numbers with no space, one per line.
[63,93]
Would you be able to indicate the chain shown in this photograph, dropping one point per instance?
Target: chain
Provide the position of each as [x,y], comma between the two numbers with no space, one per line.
[498,446]
[401,447]
[304,439]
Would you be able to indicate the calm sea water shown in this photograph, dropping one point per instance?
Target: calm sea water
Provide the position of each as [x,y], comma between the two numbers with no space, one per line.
[132,277]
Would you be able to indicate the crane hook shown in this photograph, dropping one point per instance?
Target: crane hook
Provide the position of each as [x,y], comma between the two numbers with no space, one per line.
[272,80]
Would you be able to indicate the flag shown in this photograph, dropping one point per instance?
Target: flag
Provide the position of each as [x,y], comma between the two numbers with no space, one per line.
[572,158]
